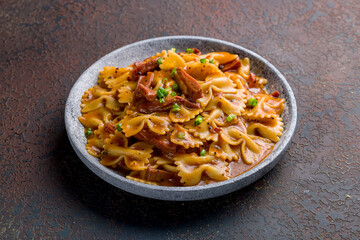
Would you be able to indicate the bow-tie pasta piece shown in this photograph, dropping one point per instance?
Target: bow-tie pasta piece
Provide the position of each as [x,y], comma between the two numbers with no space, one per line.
[230,103]
[181,136]
[171,60]
[232,136]
[266,107]
[125,92]
[117,139]
[221,57]
[216,86]
[204,129]
[136,157]
[200,71]
[270,128]
[184,114]
[192,167]
[134,122]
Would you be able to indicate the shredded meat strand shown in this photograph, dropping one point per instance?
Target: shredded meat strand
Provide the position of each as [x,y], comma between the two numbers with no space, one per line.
[217,94]
[137,94]
[141,68]
[143,88]
[215,130]
[252,80]
[149,94]
[186,103]
[148,80]
[159,141]
[109,127]
[156,106]
[234,64]
[196,51]
[158,175]
[188,85]
[275,94]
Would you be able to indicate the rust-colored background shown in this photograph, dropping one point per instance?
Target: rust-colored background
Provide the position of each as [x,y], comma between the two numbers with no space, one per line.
[47,192]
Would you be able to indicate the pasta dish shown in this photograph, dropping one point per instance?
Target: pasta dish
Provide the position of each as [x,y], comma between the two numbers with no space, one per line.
[181,118]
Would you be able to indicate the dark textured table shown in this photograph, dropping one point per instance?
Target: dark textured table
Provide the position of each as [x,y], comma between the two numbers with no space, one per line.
[46,192]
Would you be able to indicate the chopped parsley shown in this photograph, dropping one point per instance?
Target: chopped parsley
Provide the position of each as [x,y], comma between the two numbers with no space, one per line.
[159,61]
[211,61]
[203,60]
[189,50]
[202,152]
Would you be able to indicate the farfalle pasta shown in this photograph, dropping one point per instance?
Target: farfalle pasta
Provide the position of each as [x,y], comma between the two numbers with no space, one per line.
[181,118]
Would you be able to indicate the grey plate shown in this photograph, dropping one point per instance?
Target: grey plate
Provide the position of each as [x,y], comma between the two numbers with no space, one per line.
[125,56]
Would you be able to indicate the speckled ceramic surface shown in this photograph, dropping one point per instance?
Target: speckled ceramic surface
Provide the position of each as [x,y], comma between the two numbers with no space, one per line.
[126,55]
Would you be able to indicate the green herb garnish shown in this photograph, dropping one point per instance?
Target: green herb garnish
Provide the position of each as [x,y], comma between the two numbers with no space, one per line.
[161,100]
[202,152]
[161,92]
[88,132]
[211,61]
[165,80]
[181,135]
[230,117]
[203,60]
[173,72]
[252,102]
[198,120]
[189,50]
[118,127]
[159,61]
[173,94]
[175,87]
[175,108]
